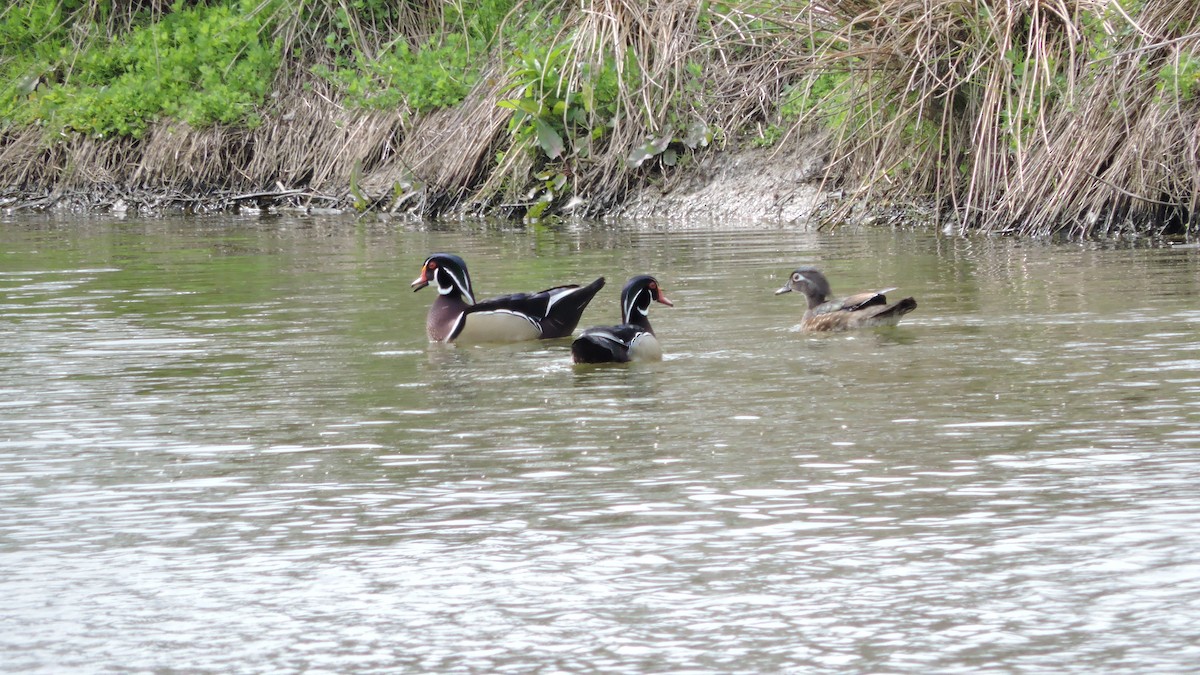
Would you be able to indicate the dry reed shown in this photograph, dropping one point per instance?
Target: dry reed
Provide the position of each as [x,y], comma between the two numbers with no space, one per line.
[1023,116]
[1018,115]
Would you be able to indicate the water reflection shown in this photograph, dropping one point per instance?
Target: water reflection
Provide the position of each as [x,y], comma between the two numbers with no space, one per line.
[227,446]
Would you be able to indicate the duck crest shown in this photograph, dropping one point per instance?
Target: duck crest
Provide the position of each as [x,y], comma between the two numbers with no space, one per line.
[637,295]
[451,275]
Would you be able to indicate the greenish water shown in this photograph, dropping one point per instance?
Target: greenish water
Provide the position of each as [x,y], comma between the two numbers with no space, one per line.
[226,446]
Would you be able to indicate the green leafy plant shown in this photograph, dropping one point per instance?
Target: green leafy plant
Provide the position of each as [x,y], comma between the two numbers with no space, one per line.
[33,43]
[560,110]
[551,184]
[202,65]
[544,108]
[1177,81]
[670,148]
[421,74]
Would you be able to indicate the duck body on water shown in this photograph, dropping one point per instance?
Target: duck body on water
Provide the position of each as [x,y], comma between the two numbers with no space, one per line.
[634,338]
[862,310]
[454,315]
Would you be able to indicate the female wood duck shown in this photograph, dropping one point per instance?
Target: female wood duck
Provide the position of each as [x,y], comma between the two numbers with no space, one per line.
[634,339]
[455,316]
[864,310]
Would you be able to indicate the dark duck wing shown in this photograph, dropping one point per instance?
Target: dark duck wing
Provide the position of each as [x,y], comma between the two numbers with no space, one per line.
[860,301]
[614,344]
[551,313]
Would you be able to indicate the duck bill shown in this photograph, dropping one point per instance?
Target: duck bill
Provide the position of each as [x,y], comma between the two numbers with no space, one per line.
[421,281]
[664,299]
[786,289]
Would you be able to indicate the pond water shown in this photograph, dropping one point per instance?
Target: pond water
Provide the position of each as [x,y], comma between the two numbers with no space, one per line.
[226,446]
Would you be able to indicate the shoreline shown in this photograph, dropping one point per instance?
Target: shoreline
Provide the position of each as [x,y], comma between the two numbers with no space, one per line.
[746,186]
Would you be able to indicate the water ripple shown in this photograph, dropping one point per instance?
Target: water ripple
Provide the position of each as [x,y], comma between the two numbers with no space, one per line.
[234,451]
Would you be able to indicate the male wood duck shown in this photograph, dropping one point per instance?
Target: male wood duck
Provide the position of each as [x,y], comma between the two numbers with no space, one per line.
[455,316]
[864,310]
[634,339]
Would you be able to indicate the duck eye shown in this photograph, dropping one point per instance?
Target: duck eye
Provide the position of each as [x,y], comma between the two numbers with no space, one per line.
[796,276]
[431,265]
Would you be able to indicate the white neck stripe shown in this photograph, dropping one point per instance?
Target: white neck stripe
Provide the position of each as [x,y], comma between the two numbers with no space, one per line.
[463,285]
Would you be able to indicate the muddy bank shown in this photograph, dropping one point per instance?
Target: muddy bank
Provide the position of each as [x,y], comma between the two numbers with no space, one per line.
[741,187]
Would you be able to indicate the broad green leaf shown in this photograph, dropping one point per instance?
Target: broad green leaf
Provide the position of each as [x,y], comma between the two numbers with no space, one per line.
[549,140]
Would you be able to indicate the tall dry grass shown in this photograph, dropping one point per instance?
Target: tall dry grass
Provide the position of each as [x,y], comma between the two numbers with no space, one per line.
[1025,116]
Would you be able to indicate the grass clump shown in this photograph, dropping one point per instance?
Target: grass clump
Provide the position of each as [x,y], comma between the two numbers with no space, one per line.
[1016,116]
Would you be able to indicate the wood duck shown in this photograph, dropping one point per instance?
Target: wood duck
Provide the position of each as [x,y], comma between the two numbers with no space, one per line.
[634,339]
[455,316]
[864,310]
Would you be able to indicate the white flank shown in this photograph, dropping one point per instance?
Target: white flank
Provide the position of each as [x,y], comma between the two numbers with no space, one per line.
[501,325]
[645,347]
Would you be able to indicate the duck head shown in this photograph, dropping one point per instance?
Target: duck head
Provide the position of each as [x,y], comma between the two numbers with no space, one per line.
[809,282]
[449,273]
[636,297]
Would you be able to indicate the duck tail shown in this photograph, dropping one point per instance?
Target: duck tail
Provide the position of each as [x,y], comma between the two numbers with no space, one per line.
[563,317]
[899,309]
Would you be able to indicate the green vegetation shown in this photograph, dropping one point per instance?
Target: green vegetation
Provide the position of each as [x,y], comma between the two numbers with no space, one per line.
[1005,115]
[201,65]
[414,71]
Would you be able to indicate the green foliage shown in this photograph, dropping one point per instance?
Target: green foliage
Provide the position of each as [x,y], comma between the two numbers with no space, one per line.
[671,149]
[33,29]
[561,109]
[425,79]
[1177,81]
[821,93]
[202,65]
[560,114]
[32,37]
[551,184]
[436,74]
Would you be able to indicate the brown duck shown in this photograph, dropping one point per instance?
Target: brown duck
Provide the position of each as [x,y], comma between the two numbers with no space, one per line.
[863,310]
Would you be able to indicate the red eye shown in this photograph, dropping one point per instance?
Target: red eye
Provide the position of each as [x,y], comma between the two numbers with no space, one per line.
[431,265]
[653,286]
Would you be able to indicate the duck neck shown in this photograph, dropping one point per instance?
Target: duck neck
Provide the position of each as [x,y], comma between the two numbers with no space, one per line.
[814,297]
[640,319]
